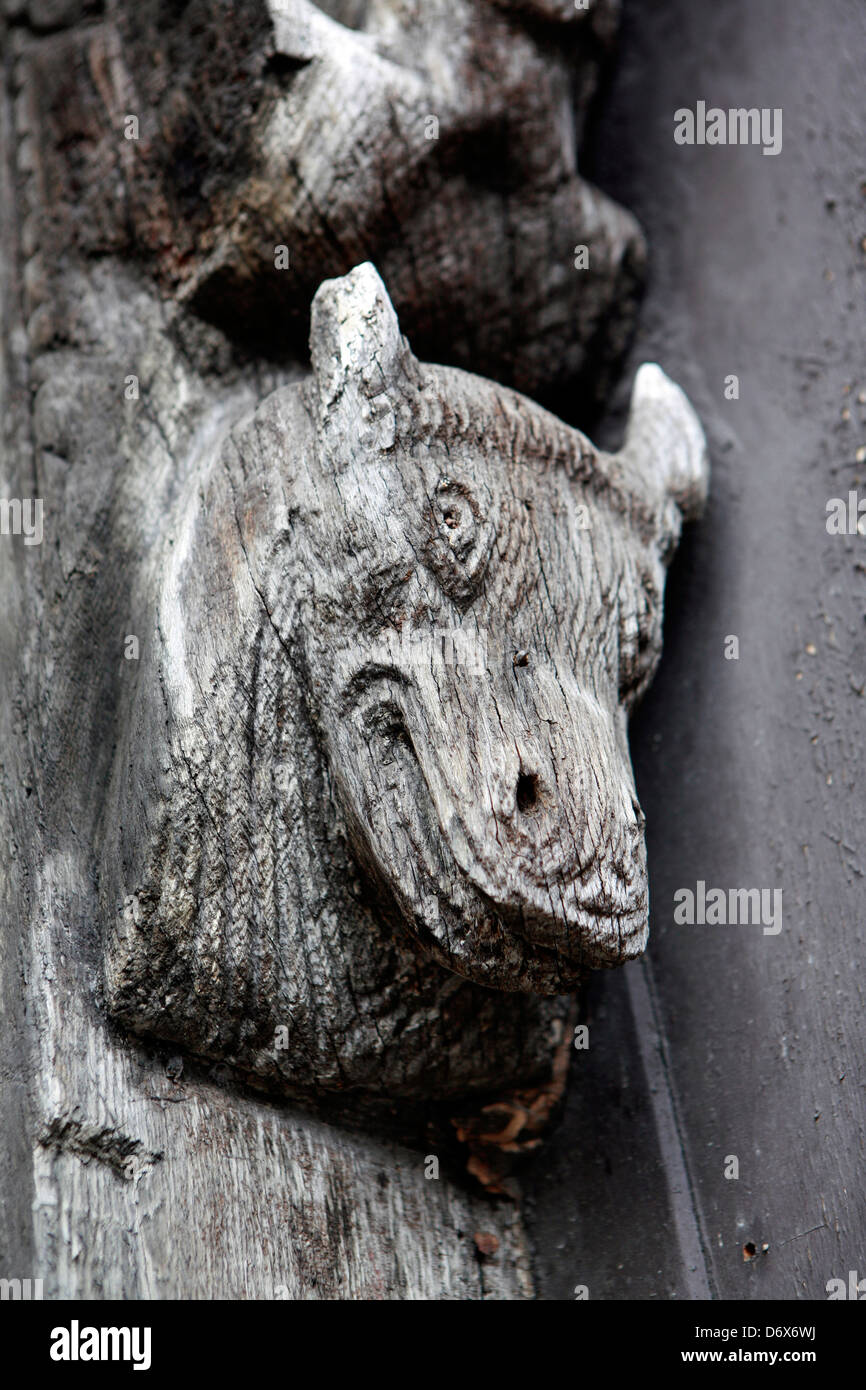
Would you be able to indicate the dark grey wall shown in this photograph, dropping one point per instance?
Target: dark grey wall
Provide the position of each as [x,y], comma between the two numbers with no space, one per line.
[750,771]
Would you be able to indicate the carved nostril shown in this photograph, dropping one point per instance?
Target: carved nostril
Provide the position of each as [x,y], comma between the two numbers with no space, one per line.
[527,792]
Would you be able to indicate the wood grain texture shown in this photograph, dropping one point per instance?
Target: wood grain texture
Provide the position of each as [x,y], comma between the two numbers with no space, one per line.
[438,140]
[380,746]
[221,778]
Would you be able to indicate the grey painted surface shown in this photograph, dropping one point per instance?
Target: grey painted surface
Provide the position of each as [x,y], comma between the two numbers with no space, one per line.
[600,1211]
[750,771]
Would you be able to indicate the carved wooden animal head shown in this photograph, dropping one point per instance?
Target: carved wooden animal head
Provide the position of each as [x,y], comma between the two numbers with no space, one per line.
[381,743]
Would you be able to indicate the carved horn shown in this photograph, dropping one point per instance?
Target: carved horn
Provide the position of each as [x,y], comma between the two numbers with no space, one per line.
[355,336]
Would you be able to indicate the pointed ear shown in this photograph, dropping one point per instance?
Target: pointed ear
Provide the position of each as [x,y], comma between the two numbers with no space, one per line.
[664,457]
[358,354]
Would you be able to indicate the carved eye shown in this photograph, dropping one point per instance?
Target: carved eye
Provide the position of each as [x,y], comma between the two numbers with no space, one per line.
[457,512]
[459,547]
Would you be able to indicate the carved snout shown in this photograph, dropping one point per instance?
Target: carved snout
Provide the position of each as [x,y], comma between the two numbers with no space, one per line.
[530,800]
[545,825]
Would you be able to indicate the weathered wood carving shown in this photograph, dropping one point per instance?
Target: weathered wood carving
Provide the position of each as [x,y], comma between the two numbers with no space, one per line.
[374,795]
[436,139]
[315,692]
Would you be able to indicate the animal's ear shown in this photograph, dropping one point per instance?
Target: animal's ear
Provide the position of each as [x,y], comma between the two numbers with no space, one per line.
[358,354]
[664,458]
[663,467]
